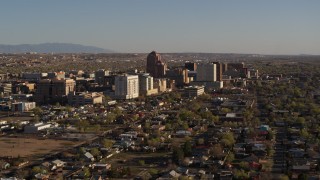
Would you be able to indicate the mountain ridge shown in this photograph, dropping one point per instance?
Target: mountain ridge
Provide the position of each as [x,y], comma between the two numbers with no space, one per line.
[52,48]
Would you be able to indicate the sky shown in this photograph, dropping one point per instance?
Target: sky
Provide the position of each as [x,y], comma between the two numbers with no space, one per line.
[140,26]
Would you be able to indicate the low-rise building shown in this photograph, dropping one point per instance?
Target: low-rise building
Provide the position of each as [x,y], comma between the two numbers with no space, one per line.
[193,91]
[84,98]
[22,106]
[34,128]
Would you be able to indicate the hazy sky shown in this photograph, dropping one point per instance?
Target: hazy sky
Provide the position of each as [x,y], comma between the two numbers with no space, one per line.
[235,26]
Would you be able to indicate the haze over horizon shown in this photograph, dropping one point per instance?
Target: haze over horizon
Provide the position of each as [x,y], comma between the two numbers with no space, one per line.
[248,26]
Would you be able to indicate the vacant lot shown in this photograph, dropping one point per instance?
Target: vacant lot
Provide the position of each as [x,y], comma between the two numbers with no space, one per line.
[15,118]
[25,147]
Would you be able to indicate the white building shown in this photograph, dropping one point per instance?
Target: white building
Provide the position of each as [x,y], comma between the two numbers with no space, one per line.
[127,86]
[207,72]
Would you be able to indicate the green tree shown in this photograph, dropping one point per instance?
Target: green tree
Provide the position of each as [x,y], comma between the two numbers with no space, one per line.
[111,117]
[37,111]
[187,148]
[283,177]
[97,128]
[95,152]
[230,157]
[86,172]
[107,143]
[241,174]
[36,170]
[177,155]
[228,139]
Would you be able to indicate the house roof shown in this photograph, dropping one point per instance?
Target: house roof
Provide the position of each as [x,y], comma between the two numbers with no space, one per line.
[88,155]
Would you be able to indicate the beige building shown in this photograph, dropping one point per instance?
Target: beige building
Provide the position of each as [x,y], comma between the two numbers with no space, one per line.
[83,98]
[160,84]
[146,85]
[193,91]
[55,90]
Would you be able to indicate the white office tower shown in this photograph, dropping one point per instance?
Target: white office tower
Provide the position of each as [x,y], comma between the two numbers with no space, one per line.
[206,72]
[127,86]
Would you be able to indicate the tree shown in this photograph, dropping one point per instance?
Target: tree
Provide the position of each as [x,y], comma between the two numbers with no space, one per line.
[37,169]
[141,162]
[228,139]
[107,143]
[230,157]
[200,141]
[97,128]
[37,111]
[111,117]
[270,135]
[86,172]
[225,110]
[83,125]
[95,152]
[217,151]
[284,177]
[187,148]
[244,165]
[177,155]
[304,133]
[241,174]
[302,176]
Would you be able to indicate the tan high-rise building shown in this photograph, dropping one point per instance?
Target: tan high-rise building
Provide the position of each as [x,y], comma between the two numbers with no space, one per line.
[155,66]
[54,90]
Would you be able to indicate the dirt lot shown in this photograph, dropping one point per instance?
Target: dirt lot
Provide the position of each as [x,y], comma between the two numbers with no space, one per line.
[16,119]
[25,147]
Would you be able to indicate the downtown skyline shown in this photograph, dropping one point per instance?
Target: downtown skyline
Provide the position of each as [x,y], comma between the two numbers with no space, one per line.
[267,27]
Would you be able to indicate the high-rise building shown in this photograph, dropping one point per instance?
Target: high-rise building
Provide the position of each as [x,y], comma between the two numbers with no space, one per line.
[224,67]
[127,86]
[54,90]
[58,75]
[146,85]
[207,72]
[236,66]
[179,75]
[155,66]
[191,66]
[160,84]
[218,70]
[99,76]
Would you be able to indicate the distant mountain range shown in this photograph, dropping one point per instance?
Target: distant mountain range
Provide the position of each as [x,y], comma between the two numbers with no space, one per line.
[52,48]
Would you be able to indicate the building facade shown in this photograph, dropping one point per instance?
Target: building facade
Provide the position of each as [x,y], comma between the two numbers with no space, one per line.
[84,98]
[54,90]
[126,86]
[155,66]
[22,106]
[99,76]
[193,91]
[146,85]
[207,72]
